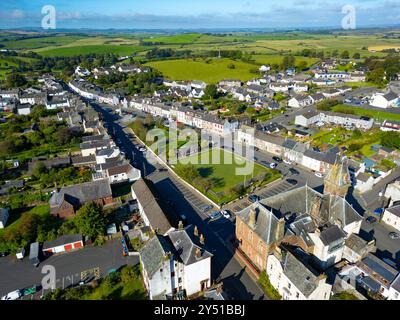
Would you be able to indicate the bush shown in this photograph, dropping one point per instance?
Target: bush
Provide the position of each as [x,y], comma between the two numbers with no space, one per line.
[269,290]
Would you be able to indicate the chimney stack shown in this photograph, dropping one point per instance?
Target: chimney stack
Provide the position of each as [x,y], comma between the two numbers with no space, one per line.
[180,225]
[202,239]
[196,231]
[252,218]
[198,253]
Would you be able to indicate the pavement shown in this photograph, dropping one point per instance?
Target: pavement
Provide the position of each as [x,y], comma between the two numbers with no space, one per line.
[19,274]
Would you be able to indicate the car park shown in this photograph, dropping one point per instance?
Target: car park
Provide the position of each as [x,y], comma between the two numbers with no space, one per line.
[293,182]
[293,171]
[287,161]
[277,159]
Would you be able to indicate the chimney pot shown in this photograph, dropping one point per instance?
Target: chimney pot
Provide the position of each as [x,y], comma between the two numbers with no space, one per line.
[196,231]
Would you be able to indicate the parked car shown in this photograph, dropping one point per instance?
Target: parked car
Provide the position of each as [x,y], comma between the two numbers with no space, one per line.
[226,214]
[205,208]
[371,220]
[254,198]
[12,295]
[293,182]
[394,235]
[319,175]
[287,161]
[215,215]
[277,159]
[293,171]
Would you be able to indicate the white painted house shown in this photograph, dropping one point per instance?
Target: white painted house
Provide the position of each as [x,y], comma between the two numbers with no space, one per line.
[294,279]
[391,217]
[177,265]
[388,100]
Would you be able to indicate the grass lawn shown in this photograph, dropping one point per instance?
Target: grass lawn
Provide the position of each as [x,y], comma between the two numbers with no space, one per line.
[333,136]
[360,111]
[216,70]
[277,59]
[220,166]
[15,215]
[131,290]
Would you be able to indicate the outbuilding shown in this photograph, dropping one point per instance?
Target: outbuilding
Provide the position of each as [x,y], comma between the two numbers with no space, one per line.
[64,243]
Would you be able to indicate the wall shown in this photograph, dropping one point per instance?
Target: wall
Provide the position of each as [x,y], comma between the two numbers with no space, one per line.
[195,274]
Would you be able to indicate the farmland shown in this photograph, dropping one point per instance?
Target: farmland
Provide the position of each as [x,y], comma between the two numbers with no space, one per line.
[121,50]
[199,69]
[277,59]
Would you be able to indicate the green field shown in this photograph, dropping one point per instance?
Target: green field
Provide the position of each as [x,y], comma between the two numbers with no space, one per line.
[277,59]
[216,70]
[360,111]
[121,50]
[221,166]
[40,42]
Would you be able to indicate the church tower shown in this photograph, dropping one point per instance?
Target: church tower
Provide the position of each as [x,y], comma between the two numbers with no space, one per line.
[337,181]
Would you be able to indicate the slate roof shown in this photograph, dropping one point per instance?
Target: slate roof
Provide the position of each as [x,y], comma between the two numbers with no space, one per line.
[266,222]
[356,243]
[302,200]
[186,244]
[331,235]
[83,160]
[380,267]
[390,96]
[394,210]
[153,254]
[300,274]
[152,205]
[81,193]
[66,239]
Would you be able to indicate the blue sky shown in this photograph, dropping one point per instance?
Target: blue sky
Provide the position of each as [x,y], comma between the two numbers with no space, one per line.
[155,14]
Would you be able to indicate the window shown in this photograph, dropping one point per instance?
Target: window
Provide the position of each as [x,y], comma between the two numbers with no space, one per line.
[289,285]
[297,295]
[250,236]
[172,274]
[179,280]
[161,270]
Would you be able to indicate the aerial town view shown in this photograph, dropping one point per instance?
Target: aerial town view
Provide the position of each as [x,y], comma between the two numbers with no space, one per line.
[199,151]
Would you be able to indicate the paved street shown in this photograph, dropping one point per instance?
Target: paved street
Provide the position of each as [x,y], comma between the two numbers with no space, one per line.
[17,274]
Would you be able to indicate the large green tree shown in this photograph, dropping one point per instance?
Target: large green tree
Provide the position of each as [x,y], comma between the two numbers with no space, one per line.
[91,221]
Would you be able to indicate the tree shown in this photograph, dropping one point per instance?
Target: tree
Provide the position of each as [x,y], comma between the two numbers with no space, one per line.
[356,56]
[345,55]
[90,220]
[391,139]
[211,91]
[376,76]
[7,147]
[149,121]
[39,169]
[288,62]
[139,129]
[231,66]
[15,80]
